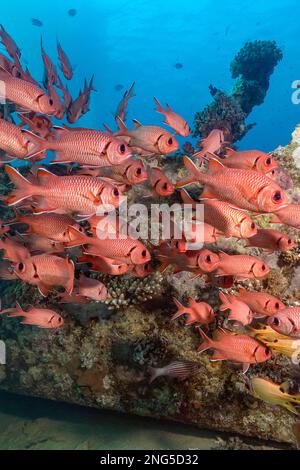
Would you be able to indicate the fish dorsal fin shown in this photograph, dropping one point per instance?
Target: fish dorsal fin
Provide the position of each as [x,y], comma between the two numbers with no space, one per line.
[229,152]
[215,165]
[121,124]
[136,123]
[44,175]
[190,166]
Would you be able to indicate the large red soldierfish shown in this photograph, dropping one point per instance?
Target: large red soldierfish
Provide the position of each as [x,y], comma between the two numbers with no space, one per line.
[196,312]
[86,147]
[26,95]
[79,194]
[212,143]
[152,139]
[13,251]
[239,311]
[250,160]
[13,141]
[46,271]
[271,240]
[241,266]
[244,189]
[127,250]
[40,317]
[104,265]
[173,120]
[241,349]
[261,303]
[52,226]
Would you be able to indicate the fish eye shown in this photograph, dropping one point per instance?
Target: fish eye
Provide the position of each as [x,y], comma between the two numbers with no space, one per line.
[276,321]
[277,196]
[267,351]
[59,319]
[277,306]
[116,192]
[165,186]
[170,141]
[122,148]
[138,171]
[144,253]
[253,225]
[268,161]
[51,102]
[263,267]
[177,244]
[208,259]
[21,267]
[289,241]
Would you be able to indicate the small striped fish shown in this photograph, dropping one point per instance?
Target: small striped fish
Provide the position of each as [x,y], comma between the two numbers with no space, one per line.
[180,370]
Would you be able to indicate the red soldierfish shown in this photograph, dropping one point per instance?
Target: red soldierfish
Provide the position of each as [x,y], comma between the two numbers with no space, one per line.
[288,215]
[226,219]
[196,312]
[286,322]
[127,249]
[240,349]
[250,160]
[38,124]
[65,63]
[50,69]
[104,265]
[261,303]
[12,141]
[173,120]
[40,317]
[212,143]
[92,289]
[245,189]
[46,271]
[130,173]
[271,240]
[152,139]
[239,311]
[160,183]
[9,44]
[241,266]
[180,370]
[52,226]
[25,94]
[86,147]
[83,195]
[122,106]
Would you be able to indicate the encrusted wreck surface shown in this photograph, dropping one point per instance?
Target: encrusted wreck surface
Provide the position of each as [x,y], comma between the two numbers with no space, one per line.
[101,357]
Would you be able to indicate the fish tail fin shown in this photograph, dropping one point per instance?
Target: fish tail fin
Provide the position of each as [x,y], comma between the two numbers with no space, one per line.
[70,283]
[181,309]
[23,189]
[153,374]
[207,342]
[121,124]
[130,93]
[40,145]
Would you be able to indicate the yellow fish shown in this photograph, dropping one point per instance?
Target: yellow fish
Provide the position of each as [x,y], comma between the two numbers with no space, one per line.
[274,394]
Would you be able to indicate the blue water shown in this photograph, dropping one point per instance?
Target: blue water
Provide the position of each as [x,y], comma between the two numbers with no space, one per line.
[122,41]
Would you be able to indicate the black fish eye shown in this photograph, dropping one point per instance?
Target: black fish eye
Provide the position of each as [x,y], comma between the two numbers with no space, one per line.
[289,241]
[139,171]
[177,244]
[276,321]
[277,196]
[277,306]
[116,192]
[268,161]
[144,253]
[21,267]
[59,320]
[122,148]
[253,225]
[263,267]
[51,102]
[170,141]
[208,259]
[165,186]
[267,351]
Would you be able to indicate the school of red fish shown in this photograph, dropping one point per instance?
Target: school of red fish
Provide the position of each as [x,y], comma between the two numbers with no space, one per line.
[59,211]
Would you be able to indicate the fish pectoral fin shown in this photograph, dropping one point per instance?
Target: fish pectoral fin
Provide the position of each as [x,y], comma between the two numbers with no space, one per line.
[246,366]
[217,356]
